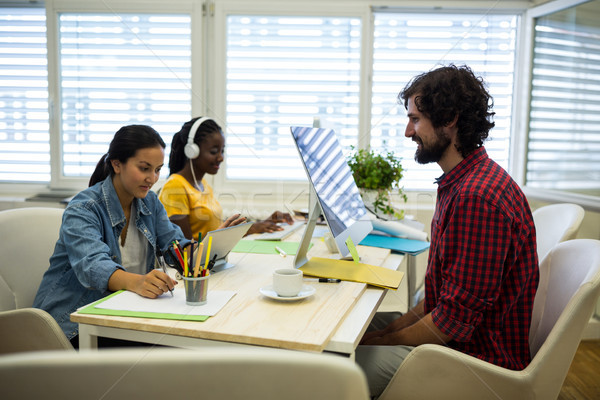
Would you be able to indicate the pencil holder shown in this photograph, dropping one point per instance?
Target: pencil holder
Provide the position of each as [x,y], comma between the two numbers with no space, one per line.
[196,290]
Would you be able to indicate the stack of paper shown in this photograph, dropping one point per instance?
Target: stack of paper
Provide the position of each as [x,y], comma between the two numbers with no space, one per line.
[129,304]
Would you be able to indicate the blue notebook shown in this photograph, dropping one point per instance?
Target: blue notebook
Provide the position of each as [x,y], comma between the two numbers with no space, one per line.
[408,246]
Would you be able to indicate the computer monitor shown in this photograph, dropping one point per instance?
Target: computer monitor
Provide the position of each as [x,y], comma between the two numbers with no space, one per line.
[333,191]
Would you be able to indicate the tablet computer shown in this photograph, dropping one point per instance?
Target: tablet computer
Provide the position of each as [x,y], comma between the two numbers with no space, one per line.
[223,240]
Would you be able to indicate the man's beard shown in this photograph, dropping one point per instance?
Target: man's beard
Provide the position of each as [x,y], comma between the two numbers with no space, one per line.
[435,150]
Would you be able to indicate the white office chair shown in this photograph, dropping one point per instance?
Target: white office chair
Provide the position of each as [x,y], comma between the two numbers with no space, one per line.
[28,239]
[571,273]
[30,329]
[165,373]
[556,223]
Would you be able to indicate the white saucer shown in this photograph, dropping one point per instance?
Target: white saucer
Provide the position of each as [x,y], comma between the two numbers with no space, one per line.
[305,292]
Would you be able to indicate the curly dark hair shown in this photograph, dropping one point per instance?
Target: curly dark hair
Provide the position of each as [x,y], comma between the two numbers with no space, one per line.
[177,158]
[443,93]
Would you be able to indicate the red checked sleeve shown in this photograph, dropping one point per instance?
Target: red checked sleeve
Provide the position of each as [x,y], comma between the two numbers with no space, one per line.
[473,248]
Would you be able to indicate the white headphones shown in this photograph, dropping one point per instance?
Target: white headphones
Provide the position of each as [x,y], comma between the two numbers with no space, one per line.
[191,149]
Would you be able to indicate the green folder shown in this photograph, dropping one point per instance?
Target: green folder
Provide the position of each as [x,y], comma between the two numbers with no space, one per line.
[91,309]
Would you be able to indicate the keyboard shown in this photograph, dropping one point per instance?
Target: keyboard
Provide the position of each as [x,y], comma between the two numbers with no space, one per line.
[280,235]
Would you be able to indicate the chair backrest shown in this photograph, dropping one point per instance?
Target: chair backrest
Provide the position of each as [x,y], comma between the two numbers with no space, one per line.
[569,287]
[28,239]
[30,329]
[568,270]
[164,373]
[554,224]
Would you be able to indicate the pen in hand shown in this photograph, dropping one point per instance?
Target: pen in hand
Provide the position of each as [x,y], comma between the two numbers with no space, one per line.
[161,263]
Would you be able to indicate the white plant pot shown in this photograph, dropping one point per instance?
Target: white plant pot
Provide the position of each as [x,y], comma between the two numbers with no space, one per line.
[368,197]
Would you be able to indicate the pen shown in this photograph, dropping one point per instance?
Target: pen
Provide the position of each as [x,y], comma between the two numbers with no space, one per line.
[164,268]
[280,251]
[324,280]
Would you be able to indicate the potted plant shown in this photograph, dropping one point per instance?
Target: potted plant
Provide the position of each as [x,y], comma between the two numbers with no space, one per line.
[377,177]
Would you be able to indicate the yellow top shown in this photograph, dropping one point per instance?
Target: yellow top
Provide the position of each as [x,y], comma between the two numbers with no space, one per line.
[180,198]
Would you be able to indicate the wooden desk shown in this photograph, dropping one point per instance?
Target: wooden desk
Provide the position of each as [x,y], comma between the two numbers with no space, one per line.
[333,319]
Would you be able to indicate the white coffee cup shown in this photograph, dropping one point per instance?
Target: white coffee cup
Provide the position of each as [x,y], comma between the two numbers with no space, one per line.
[287,282]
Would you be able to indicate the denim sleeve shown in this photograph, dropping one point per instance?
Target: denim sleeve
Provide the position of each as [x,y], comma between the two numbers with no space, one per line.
[87,236]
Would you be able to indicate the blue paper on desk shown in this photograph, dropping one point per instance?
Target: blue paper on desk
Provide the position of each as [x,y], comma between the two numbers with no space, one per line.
[408,246]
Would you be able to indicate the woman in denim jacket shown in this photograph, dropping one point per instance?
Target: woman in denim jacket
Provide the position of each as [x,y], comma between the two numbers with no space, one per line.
[110,231]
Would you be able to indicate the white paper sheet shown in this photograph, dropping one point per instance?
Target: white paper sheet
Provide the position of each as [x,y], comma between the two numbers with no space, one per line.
[129,301]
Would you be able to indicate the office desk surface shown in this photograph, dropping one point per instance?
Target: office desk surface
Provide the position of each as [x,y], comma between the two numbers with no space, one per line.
[251,318]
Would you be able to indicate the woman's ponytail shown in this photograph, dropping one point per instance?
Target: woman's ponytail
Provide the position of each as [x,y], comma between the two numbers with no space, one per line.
[101,172]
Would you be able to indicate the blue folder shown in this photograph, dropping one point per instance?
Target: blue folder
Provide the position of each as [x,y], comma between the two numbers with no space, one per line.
[407,246]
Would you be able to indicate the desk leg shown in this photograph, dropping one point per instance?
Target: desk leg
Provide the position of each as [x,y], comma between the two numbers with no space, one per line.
[411,278]
[87,340]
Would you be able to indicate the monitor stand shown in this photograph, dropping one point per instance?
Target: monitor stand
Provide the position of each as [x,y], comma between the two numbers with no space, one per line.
[314,212]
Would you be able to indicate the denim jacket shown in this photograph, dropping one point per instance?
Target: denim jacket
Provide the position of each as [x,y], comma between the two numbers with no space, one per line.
[87,252]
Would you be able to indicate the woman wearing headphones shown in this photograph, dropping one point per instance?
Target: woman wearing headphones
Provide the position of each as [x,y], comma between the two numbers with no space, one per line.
[198,149]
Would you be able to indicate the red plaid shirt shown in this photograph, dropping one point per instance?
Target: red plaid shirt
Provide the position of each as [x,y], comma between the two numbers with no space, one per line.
[482,272]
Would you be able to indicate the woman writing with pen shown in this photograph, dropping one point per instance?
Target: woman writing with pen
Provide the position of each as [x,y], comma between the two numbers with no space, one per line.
[111,231]
[196,150]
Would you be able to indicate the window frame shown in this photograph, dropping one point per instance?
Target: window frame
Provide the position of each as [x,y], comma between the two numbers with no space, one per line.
[58,181]
[19,187]
[276,192]
[519,149]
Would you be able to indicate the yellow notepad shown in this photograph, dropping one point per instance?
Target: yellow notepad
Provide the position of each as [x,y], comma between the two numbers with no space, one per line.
[350,271]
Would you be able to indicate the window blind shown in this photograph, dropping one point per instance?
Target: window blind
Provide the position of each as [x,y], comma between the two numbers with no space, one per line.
[24,126]
[408,44]
[285,71]
[564,139]
[118,70]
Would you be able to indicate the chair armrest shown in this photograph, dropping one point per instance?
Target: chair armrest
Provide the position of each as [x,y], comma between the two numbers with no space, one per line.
[433,371]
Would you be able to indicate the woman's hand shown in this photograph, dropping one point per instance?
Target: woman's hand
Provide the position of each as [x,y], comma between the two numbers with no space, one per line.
[263,226]
[279,216]
[154,283]
[151,285]
[232,221]
[271,224]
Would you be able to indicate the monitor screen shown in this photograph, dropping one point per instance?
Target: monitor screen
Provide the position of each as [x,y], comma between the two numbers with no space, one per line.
[332,181]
